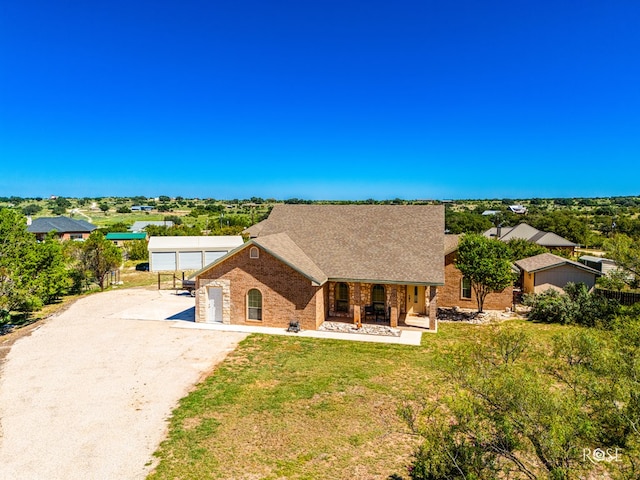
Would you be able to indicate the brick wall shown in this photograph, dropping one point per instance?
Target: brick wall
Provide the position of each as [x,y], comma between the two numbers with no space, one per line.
[286,294]
[450,294]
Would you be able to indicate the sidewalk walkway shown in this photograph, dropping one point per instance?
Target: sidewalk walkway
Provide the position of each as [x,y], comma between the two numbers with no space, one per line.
[407,337]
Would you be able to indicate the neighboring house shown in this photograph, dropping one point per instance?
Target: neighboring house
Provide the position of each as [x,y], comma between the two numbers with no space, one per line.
[457,291]
[310,263]
[65,228]
[139,226]
[547,270]
[603,265]
[141,208]
[490,212]
[120,238]
[188,253]
[519,209]
[533,235]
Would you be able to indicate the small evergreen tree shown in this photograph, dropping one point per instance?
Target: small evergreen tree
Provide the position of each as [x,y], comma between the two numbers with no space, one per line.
[100,256]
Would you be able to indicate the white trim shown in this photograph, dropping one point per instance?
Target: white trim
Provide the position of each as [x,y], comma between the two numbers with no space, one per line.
[462,289]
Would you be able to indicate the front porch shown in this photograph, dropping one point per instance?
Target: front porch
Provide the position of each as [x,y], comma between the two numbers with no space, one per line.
[392,305]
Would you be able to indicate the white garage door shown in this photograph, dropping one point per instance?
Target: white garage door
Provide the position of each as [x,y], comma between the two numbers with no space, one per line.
[210,257]
[190,260]
[161,261]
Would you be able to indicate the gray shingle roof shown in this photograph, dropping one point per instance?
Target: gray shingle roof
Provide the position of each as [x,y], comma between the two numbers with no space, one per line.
[531,234]
[545,261]
[60,225]
[377,243]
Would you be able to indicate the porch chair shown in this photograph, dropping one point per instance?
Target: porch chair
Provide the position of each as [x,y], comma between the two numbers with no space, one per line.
[294,326]
[369,312]
[380,312]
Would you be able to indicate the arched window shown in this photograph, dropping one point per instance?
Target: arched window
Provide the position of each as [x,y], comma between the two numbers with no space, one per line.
[254,304]
[254,252]
[342,297]
[378,298]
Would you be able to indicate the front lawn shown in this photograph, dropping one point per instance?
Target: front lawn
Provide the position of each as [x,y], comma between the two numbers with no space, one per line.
[295,408]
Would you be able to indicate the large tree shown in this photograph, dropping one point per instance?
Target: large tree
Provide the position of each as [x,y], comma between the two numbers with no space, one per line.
[50,270]
[100,256]
[466,222]
[17,250]
[520,248]
[485,262]
[31,273]
[625,251]
[566,223]
[524,412]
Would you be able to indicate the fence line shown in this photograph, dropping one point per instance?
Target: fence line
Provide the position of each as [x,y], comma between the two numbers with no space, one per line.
[624,298]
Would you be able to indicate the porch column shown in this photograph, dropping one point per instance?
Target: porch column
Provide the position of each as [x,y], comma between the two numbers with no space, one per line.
[393,321]
[433,308]
[357,316]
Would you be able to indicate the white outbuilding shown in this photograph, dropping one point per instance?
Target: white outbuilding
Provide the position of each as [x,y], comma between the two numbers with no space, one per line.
[188,253]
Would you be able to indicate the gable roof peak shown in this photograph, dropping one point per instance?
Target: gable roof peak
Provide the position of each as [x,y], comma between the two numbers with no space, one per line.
[393,243]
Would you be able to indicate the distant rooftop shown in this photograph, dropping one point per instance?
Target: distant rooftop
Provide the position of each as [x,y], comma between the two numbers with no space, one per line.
[527,232]
[141,225]
[126,236]
[60,225]
[518,208]
[591,258]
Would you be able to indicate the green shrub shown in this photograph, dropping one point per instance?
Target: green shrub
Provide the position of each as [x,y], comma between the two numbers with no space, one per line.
[576,306]
[137,250]
[551,306]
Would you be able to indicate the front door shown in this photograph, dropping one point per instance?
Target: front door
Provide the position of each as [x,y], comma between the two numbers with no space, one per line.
[215,305]
[415,299]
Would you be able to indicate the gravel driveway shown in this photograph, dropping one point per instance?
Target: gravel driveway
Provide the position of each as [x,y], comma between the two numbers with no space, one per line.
[87,395]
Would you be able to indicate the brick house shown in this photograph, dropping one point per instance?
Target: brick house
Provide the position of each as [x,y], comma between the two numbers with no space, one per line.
[310,263]
[457,291]
[64,228]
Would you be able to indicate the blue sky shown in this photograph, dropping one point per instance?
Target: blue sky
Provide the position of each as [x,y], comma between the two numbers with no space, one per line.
[321,100]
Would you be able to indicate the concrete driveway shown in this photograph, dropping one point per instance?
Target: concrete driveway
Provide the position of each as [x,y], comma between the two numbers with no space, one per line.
[87,395]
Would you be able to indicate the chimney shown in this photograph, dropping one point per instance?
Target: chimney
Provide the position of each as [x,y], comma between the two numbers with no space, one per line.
[498,232]
[29,221]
